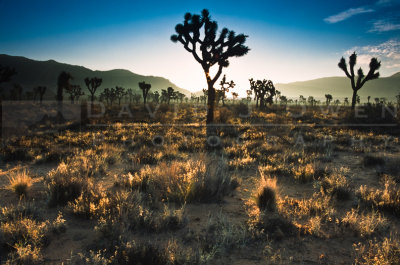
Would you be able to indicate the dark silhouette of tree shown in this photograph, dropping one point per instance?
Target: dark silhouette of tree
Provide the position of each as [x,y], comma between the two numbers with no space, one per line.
[130,94]
[356,85]
[16,92]
[108,95]
[311,101]
[170,94]
[179,96]
[283,100]
[145,90]
[39,91]
[369,98]
[302,99]
[225,86]
[120,93]
[62,83]
[75,92]
[198,34]
[249,93]
[234,96]
[92,84]
[346,101]
[264,90]
[6,73]
[156,97]
[328,98]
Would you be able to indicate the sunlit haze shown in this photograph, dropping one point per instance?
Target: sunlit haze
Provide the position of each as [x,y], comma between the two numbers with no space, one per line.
[289,41]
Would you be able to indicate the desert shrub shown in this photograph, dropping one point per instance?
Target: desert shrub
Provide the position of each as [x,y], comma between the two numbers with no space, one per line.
[266,195]
[23,238]
[11,153]
[387,199]
[383,252]
[131,253]
[336,185]
[201,180]
[20,182]
[64,184]
[365,224]
[221,236]
[304,173]
[223,115]
[373,161]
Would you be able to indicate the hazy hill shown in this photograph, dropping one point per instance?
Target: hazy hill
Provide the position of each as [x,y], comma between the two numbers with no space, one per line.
[339,87]
[31,73]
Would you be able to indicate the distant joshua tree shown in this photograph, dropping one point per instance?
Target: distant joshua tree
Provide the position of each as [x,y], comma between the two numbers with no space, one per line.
[6,73]
[249,93]
[346,101]
[170,94]
[311,100]
[374,65]
[208,49]
[120,93]
[39,91]
[369,98]
[16,92]
[92,84]
[328,99]
[264,91]
[75,92]
[302,99]
[234,96]
[225,86]
[145,90]
[62,83]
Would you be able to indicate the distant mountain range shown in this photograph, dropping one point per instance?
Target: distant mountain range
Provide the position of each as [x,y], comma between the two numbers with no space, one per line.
[340,87]
[31,73]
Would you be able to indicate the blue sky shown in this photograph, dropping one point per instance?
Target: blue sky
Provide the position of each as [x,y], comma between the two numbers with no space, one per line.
[289,40]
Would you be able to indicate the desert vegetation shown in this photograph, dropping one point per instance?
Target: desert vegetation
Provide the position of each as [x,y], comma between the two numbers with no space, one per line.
[149,175]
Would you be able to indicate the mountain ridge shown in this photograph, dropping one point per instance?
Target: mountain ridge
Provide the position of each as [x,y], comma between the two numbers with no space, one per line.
[31,73]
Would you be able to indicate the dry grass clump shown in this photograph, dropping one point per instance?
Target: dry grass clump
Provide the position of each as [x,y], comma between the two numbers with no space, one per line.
[20,182]
[22,236]
[64,184]
[365,224]
[266,196]
[201,180]
[387,199]
[385,252]
[336,185]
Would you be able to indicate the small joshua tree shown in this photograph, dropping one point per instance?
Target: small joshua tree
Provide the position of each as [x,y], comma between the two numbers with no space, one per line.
[6,73]
[39,91]
[356,85]
[120,93]
[225,86]
[328,99]
[75,92]
[170,94]
[198,34]
[145,90]
[92,84]
[62,83]
[264,91]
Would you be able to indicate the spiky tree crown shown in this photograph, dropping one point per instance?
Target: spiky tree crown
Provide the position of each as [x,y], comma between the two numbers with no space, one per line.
[374,65]
[213,50]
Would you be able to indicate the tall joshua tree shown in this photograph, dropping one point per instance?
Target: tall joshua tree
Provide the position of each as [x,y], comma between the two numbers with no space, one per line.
[198,34]
[145,90]
[374,65]
[328,98]
[92,84]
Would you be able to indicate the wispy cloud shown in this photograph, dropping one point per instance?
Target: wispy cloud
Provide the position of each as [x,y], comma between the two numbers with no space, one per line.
[388,52]
[387,2]
[347,14]
[384,26]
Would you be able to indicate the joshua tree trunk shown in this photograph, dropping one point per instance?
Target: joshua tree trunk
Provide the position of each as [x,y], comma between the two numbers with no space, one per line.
[354,99]
[210,103]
